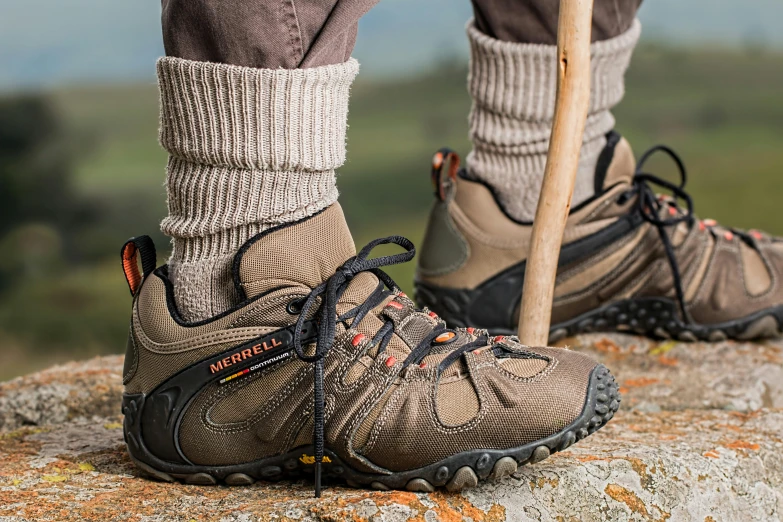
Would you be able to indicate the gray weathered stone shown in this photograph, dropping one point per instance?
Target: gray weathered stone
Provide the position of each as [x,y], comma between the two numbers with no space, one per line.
[700,438]
[64,392]
[674,376]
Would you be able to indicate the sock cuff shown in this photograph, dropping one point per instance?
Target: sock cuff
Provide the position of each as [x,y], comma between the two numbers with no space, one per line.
[520,80]
[255,119]
[214,210]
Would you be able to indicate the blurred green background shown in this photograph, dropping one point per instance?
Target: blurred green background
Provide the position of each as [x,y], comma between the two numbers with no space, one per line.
[81,170]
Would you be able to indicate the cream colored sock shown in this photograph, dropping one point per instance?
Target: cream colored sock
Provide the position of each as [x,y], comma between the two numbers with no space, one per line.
[249,149]
[513,87]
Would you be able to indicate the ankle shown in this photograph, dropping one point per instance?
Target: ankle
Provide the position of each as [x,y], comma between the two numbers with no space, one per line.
[513,87]
[249,149]
[203,287]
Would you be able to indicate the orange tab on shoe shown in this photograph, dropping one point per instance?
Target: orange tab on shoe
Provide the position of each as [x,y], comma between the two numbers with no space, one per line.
[443,156]
[129,255]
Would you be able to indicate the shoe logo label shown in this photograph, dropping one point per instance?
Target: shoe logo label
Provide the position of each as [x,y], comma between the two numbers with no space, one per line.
[252,355]
[242,355]
[310,459]
[256,354]
[263,364]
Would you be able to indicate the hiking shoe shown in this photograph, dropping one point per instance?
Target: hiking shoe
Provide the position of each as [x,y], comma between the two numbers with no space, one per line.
[631,260]
[325,367]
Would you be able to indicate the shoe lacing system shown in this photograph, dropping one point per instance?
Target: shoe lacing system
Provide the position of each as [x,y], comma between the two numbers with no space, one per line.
[664,211]
[329,293]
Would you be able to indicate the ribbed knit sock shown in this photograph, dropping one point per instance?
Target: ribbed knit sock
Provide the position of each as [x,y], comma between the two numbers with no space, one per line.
[513,87]
[249,149]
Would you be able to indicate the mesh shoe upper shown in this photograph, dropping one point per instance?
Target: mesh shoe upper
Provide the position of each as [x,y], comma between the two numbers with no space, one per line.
[614,250]
[400,389]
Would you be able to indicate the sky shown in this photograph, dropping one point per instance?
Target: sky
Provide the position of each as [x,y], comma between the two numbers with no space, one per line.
[46,43]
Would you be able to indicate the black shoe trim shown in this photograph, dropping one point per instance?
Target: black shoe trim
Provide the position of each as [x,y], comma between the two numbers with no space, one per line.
[493,304]
[659,318]
[155,418]
[604,161]
[457,472]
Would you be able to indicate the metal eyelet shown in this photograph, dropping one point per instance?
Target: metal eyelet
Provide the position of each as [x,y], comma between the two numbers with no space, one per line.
[295,306]
[623,198]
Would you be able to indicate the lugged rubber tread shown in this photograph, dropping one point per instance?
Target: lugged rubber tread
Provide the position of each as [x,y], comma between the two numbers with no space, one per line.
[655,317]
[454,473]
[658,318]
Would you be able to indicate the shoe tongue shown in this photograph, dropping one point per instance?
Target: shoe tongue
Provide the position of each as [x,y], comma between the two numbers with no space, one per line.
[616,164]
[301,254]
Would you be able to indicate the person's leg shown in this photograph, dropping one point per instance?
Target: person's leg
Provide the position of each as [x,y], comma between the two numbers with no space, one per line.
[513,85]
[535,21]
[254,101]
[255,146]
[631,260]
[264,34]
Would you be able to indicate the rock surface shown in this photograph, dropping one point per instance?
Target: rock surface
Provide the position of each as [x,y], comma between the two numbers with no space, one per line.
[700,437]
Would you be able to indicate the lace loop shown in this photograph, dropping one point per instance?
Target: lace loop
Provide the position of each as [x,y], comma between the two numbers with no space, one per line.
[329,293]
[650,207]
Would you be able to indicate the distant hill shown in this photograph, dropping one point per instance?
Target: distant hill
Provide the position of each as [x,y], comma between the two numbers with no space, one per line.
[51,42]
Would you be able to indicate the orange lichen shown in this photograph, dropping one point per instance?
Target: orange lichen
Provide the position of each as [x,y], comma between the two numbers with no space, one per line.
[452,507]
[641,469]
[668,361]
[607,346]
[627,497]
[742,444]
[640,382]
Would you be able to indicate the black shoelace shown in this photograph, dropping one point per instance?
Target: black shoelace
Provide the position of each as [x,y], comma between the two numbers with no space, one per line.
[326,316]
[653,209]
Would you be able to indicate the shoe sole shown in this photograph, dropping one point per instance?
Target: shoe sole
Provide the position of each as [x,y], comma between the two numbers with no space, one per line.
[655,317]
[659,318]
[454,473]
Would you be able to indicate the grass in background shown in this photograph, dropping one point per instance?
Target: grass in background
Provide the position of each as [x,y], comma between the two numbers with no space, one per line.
[722,111]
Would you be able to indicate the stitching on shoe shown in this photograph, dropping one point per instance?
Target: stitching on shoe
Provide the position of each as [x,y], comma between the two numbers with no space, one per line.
[264,411]
[348,361]
[564,276]
[553,363]
[772,275]
[431,411]
[621,267]
[201,341]
[460,261]
[126,378]
[254,309]
[479,386]
[305,415]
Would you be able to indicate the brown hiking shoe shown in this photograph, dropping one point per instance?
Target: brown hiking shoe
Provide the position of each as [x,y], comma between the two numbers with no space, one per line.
[631,261]
[327,367]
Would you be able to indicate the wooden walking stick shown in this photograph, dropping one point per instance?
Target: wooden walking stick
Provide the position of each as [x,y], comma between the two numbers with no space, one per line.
[554,202]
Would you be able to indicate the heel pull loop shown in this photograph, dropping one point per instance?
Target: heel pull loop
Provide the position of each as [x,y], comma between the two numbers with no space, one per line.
[130,253]
[443,156]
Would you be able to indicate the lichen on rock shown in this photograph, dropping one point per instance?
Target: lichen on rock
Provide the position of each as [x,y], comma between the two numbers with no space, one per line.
[700,438]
